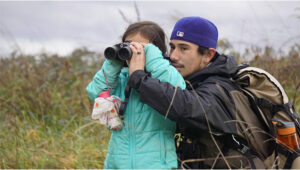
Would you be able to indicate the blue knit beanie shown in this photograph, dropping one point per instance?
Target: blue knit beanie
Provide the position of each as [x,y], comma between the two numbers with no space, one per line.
[196,30]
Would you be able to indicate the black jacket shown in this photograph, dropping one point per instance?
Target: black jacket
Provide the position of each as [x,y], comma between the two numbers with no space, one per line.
[207,94]
[186,109]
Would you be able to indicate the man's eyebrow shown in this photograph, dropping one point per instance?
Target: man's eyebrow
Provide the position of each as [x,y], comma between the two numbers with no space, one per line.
[183,45]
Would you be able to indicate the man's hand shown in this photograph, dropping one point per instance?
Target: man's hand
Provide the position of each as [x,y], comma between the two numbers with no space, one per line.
[137,61]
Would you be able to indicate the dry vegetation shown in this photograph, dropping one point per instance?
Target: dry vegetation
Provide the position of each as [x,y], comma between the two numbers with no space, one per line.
[45,111]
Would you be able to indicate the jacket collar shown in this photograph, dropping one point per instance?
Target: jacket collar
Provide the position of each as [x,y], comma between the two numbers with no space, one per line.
[221,65]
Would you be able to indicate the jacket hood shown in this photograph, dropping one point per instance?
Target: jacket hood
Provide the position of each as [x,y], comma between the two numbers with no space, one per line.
[221,65]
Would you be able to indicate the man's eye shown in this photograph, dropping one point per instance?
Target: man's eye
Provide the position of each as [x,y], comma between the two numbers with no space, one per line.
[183,48]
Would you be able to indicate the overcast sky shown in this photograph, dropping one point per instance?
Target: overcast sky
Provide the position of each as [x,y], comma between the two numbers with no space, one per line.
[61,26]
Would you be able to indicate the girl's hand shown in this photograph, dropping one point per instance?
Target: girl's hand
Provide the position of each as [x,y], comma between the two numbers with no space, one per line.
[137,61]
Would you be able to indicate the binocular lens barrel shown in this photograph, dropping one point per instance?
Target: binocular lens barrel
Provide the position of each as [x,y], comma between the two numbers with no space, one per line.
[125,53]
[111,52]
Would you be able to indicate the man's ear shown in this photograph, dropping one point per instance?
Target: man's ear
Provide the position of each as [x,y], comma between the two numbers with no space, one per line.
[210,54]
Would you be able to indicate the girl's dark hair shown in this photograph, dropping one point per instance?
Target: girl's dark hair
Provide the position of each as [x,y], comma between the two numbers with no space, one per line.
[150,30]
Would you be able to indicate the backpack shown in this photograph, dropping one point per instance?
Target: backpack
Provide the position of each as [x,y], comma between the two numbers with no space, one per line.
[264,102]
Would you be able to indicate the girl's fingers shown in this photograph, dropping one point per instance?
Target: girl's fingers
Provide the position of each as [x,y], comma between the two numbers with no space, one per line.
[137,46]
[133,49]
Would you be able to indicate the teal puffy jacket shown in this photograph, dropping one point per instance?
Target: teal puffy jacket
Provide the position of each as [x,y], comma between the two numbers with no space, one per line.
[146,140]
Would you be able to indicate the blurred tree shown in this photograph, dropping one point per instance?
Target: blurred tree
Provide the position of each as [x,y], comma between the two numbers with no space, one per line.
[294,51]
[126,19]
[224,46]
[269,53]
[176,15]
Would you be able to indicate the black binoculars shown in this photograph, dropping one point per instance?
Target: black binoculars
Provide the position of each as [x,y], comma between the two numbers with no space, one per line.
[119,51]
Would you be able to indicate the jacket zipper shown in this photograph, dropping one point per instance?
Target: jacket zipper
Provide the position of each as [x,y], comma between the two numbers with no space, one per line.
[131,130]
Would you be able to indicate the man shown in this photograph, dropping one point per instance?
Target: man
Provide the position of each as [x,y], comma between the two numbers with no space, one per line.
[205,110]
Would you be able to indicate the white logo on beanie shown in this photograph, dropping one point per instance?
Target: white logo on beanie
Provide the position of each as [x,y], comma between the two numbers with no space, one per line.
[180,34]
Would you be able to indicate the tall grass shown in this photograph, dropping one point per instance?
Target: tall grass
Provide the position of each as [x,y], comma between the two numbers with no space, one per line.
[45,111]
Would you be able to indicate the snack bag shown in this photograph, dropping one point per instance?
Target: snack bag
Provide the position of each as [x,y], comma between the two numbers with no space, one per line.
[106,110]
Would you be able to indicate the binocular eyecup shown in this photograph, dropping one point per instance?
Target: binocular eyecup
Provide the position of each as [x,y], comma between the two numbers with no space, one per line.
[119,51]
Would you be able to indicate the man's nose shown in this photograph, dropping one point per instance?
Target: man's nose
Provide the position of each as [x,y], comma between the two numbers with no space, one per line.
[174,55]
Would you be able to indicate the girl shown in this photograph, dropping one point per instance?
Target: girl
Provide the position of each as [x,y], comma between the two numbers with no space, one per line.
[146,139]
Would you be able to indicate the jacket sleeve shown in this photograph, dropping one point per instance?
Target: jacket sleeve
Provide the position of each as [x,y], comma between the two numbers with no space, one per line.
[191,108]
[160,68]
[112,69]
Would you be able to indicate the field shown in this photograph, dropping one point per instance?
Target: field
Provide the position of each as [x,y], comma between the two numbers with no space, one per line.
[45,111]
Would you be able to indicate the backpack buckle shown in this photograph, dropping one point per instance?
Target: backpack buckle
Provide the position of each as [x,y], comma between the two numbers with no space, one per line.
[178,138]
[240,146]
